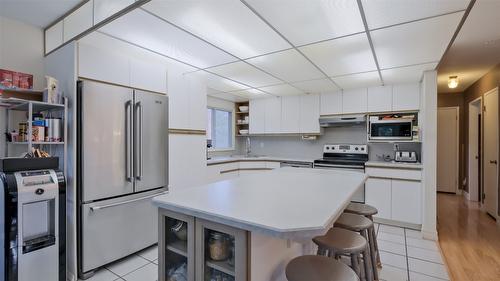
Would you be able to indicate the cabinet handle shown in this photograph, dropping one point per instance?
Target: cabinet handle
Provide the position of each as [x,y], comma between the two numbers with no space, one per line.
[493,162]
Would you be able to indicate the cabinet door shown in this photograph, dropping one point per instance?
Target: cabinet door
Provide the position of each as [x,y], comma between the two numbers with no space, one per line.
[197,104]
[406,97]
[187,167]
[290,114]
[354,101]
[176,248]
[97,64]
[309,114]
[380,99]
[220,251]
[331,103]
[406,201]
[148,76]
[257,117]
[378,194]
[273,115]
[78,21]
[178,93]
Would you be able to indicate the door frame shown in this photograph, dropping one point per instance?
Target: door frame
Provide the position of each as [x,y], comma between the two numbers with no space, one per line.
[483,207]
[477,193]
[457,165]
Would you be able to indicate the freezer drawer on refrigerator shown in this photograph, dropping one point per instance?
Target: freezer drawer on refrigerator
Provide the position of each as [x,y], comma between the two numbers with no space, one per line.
[115,228]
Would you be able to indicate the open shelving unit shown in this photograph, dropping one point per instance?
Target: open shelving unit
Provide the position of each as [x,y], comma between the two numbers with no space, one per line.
[240,116]
[30,108]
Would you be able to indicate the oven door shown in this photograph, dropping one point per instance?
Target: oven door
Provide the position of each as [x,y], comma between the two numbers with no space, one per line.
[391,130]
[359,196]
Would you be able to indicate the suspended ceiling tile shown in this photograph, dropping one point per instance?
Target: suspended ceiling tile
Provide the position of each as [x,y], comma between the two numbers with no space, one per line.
[342,56]
[282,90]
[289,65]
[316,86]
[360,80]
[303,22]
[414,43]
[245,73]
[228,24]
[401,11]
[407,74]
[145,30]
[221,84]
[252,94]
[228,96]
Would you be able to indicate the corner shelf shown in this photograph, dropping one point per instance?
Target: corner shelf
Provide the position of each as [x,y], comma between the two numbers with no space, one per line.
[240,115]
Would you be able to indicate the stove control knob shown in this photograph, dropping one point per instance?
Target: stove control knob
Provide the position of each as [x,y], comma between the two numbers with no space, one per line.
[362,149]
[357,148]
[327,148]
[333,147]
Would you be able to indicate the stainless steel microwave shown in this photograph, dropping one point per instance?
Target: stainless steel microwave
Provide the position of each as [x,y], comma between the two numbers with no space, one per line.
[393,129]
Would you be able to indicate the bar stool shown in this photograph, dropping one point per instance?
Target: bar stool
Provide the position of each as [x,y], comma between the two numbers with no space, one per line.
[367,211]
[339,241]
[318,268]
[362,225]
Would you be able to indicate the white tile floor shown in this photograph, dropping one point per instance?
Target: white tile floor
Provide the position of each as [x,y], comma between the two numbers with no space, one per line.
[405,257]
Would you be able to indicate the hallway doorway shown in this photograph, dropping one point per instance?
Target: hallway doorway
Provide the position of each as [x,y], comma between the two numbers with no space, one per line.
[447,149]
[475,142]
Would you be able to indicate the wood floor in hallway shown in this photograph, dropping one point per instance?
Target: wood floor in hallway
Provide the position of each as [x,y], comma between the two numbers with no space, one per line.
[469,240]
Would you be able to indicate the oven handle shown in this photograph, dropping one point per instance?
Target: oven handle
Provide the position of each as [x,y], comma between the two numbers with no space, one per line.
[338,166]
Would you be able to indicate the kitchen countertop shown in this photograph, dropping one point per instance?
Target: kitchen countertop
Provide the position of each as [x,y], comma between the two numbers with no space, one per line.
[392,164]
[236,158]
[291,203]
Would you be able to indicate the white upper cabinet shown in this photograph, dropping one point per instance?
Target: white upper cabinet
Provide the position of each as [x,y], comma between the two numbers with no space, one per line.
[355,101]
[78,21]
[54,37]
[406,97]
[178,104]
[290,114]
[273,115]
[309,114]
[98,64]
[197,93]
[380,99]
[148,76]
[106,8]
[331,103]
[257,117]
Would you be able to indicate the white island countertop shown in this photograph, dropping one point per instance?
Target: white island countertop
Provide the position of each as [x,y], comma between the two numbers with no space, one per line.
[293,203]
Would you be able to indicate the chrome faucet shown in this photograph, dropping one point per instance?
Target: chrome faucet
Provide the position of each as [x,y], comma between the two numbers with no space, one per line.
[248,146]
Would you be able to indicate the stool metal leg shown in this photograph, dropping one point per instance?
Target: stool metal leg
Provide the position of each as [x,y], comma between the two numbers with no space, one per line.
[355,264]
[369,258]
[373,251]
[367,262]
[379,263]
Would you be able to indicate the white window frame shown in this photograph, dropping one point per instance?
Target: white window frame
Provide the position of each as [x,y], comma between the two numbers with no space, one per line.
[233,129]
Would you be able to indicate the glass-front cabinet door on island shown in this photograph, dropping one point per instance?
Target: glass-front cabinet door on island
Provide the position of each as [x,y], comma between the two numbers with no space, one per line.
[176,247]
[221,252]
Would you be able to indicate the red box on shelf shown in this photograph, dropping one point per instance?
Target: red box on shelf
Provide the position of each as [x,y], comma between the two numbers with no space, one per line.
[16,80]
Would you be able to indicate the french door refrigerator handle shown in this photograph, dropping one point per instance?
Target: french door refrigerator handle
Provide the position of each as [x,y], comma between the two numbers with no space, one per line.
[138,138]
[128,140]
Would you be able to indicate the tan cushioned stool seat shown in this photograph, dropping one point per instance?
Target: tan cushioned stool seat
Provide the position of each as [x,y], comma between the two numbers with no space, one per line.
[353,222]
[361,209]
[318,268]
[341,240]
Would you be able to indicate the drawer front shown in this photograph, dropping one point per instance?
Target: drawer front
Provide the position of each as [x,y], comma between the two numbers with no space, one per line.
[228,167]
[273,165]
[252,164]
[393,173]
[115,228]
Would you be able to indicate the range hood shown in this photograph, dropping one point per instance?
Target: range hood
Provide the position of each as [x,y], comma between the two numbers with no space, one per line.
[342,120]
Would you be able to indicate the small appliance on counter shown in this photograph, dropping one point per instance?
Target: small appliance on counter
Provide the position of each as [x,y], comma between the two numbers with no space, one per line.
[405,156]
[32,210]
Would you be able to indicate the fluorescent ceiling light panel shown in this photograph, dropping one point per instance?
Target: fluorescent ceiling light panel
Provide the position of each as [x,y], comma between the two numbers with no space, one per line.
[150,32]
[282,90]
[360,80]
[342,56]
[252,94]
[288,65]
[228,24]
[407,74]
[307,21]
[245,73]
[382,13]
[222,84]
[316,86]
[414,43]
[228,97]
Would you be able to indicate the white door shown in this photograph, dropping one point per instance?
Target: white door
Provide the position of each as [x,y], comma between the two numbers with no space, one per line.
[474,154]
[447,150]
[490,160]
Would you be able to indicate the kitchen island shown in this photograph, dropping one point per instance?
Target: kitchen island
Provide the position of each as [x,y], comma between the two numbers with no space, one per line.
[247,229]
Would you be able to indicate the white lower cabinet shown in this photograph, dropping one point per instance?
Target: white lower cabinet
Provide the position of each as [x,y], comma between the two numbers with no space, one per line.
[395,197]
[224,171]
[378,194]
[406,201]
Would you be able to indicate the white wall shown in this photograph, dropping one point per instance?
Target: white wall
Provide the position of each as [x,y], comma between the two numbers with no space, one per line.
[21,49]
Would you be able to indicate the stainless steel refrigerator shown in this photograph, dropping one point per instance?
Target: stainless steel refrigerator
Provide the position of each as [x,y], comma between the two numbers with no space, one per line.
[122,152]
